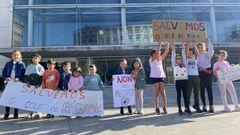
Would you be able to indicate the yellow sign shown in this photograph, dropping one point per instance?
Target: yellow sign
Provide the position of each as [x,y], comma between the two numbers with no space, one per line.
[179,31]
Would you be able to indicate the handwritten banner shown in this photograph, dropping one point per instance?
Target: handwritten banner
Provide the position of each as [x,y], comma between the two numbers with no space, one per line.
[178,31]
[123,90]
[63,103]
[229,74]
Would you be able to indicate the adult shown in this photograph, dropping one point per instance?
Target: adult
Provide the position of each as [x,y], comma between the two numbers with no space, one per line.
[205,73]
[157,76]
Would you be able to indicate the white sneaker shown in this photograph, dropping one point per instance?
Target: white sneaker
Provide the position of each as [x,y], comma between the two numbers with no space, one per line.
[227,109]
[136,112]
[237,108]
[141,112]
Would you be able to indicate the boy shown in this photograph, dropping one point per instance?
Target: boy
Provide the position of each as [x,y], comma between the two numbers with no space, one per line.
[50,78]
[65,75]
[33,76]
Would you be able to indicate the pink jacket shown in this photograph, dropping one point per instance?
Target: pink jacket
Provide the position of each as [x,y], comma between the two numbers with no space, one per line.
[75,83]
[220,65]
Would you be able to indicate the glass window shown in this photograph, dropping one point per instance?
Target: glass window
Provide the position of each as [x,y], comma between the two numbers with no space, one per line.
[38,2]
[98,1]
[99,26]
[139,20]
[228,24]
[226,1]
[167,1]
[20,28]
[54,27]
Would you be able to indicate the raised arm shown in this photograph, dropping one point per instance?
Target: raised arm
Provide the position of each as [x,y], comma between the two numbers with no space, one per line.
[173,54]
[184,58]
[166,51]
[196,51]
[210,51]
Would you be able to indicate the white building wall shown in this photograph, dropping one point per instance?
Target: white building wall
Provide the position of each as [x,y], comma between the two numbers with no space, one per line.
[6,15]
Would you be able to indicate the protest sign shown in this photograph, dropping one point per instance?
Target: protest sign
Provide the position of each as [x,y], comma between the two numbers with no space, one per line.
[229,74]
[63,103]
[123,90]
[180,73]
[178,31]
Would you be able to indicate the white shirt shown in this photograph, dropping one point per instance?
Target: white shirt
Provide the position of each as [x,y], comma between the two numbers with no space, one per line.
[192,68]
[156,69]
[13,70]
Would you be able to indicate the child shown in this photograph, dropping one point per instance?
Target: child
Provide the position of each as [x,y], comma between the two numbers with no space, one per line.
[33,76]
[76,81]
[157,76]
[65,76]
[193,77]
[181,84]
[205,73]
[14,70]
[221,64]
[123,70]
[93,81]
[138,75]
[50,78]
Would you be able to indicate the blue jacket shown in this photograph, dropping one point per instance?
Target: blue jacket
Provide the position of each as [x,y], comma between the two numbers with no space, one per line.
[63,83]
[119,71]
[19,73]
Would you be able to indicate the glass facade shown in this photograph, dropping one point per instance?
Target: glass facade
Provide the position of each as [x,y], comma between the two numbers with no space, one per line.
[40,23]
[53,23]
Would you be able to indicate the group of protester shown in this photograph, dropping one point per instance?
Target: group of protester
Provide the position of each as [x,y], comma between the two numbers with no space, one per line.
[194,61]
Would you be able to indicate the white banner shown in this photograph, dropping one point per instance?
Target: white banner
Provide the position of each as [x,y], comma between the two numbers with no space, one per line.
[123,90]
[231,73]
[60,103]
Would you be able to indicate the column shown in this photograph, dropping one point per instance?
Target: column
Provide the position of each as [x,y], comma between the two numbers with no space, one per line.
[30,25]
[124,23]
[213,21]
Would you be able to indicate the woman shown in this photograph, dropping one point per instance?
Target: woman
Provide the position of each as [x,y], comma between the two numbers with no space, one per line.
[157,76]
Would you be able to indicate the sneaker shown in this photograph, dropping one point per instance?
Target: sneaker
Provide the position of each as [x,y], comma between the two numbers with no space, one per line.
[50,116]
[204,109]
[187,110]
[227,109]
[121,112]
[15,116]
[211,109]
[141,112]
[6,116]
[29,116]
[164,110]
[136,112]
[157,110]
[180,112]
[237,108]
[197,109]
[130,111]
[73,117]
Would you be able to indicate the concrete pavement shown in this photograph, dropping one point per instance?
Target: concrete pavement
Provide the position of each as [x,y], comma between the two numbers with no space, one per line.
[218,123]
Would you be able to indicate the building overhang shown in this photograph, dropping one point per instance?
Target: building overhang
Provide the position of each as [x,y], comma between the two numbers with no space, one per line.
[99,51]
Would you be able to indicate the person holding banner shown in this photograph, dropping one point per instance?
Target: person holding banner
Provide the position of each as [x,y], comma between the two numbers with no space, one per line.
[157,76]
[14,70]
[193,76]
[223,87]
[205,73]
[65,75]
[76,81]
[50,79]
[138,74]
[123,69]
[181,78]
[93,81]
[33,77]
